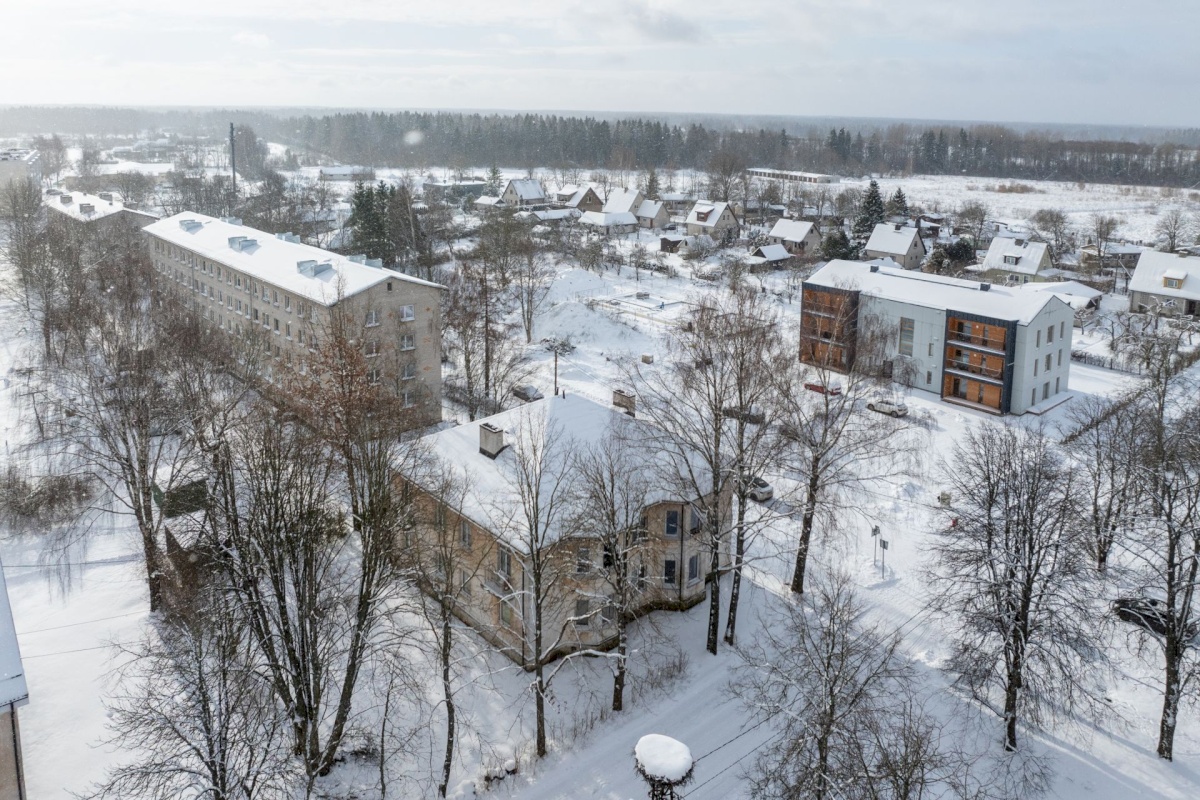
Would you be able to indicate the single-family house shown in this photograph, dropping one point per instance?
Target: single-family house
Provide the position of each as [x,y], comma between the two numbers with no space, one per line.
[1016,260]
[580,198]
[523,193]
[678,202]
[769,256]
[713,219]
[610,222]
[997,349]
[1166,283]
[900,243]
[1077,295]
[798,237]
[489,527]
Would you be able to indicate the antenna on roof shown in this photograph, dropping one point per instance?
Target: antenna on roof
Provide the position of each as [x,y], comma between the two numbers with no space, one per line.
[232,159]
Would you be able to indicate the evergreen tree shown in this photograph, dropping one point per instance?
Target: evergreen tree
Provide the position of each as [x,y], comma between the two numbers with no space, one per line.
[369,222]
[870,213]
[898,205]
[652,188]
[837,245]
[495,181]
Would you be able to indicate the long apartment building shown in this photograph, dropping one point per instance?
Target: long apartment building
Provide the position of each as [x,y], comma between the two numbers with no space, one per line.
[994,348]
[242,282]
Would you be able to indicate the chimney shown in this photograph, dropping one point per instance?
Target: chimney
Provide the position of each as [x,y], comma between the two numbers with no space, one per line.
[983,287]
[86,208]
[1020,242]
[625,400]
[898,226]
[491,440]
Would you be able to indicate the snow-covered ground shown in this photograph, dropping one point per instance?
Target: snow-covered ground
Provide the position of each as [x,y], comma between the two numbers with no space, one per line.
[66,631]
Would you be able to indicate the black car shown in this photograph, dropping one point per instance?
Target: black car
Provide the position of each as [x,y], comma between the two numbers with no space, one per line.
[1148,613]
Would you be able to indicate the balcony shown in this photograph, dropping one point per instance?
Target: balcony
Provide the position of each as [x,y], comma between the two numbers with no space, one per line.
[975,370]
[980,342]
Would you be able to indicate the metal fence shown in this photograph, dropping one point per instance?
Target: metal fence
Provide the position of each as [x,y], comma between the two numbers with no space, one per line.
[1106,362]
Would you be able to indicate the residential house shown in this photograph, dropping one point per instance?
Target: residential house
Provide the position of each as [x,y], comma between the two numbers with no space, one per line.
[101,212]
[713,219]
[649,213]
[994,348]
[1117,255]
[670,556]
[1166,283]
[768,256]
[798,237]
[549,216]
[14,694]
[247,283]
[582,199]
[1016,260]
[610,222]
[453,191]
[900,243]
[678,202]
[524,193]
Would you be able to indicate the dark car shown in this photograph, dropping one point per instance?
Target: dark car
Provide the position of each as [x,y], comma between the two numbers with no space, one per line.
[1148,613]
[753,415]
[527,392]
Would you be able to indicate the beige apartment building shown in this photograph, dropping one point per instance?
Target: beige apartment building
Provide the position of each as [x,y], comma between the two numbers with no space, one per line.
[245,282]
[668,556]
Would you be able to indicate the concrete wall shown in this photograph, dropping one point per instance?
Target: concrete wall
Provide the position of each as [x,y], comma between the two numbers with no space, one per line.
[1033,345]
[929,335]
[12,780]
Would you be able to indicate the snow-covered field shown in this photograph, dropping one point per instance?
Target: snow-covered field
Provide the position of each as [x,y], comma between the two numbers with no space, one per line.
[66,630]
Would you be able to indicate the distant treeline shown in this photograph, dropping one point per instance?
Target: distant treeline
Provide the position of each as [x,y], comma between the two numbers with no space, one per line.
[432,139]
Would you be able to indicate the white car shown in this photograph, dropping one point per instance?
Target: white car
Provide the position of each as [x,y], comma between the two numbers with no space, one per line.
[893,408]
[760,490]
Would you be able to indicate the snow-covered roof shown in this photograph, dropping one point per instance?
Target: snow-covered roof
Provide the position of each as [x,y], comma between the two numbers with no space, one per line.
[608,219]
[561,427]
[344,169]
[895,239]
[1073,293]
[710,211]
[1028,254]
[790,230]
[549,215]
[90,207]
[773,252]
[1154,266]
[527,189]
[649,209]
[18,154]
[488,200]
[13,689]
[622,200]
[274,260]
[890,282]
[676,197]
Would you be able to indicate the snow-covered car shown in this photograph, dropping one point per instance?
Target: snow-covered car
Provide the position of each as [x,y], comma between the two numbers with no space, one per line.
[754,414]
[831,388]
[527,392]
[1147,612]
[893,408]
[760,490]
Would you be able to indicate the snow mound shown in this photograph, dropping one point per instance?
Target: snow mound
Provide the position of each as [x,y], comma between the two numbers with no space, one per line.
[583,325]
[573,283]
[663,758]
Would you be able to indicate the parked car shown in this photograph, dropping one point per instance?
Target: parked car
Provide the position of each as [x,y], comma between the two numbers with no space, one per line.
[893,408]
[760,490]
[527,392]
[754,414]
[824,388]
[1147,612]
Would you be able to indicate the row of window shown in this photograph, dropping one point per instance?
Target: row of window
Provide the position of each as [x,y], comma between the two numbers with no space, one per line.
[1062,334]
[1049,363]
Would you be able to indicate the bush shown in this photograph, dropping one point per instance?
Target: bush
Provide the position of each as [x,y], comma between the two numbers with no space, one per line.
[39,503]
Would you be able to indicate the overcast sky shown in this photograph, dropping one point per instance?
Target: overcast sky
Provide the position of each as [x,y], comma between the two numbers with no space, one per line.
[1104,61]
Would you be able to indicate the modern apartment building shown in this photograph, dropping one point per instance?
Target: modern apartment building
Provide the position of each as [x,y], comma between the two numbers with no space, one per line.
[994,348]
[14,693]
[243,282]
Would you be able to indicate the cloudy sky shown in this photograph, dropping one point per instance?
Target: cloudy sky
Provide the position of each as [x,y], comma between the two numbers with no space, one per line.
[1007,60]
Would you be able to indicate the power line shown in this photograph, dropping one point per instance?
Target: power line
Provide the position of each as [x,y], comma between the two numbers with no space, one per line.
[100,562]
[77,650]
[85,622]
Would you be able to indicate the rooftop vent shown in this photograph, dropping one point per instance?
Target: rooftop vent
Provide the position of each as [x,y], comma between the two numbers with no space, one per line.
[899,226]
[491,439]
[190,225]
[65,199]
[358,259]
[374,262]
[235,242]
[86,208]
[874,268]
[288,237]
[1020,242]
[105,196]
[311,268]
[232,220]
[984,287]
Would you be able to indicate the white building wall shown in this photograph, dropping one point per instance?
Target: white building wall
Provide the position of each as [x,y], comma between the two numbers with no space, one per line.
[929,334]
[1032,381]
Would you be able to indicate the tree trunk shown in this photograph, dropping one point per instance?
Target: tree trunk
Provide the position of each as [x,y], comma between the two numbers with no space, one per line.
[448,695]
[1012,693]
[735,588]
[618,699]
[714,598]
[1170,712]
[806,527]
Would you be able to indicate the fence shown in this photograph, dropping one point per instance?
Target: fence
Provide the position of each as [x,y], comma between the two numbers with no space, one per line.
[1106,362]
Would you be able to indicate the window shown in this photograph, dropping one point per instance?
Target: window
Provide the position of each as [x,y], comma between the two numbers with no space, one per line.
[1171,283]
[1011,259]
[287,303]
[1033,398]
[1050,334]
[277,325]
[408,342]
[287,330]
[583,560]
[407,314]
[265,294]
[931,349]
[669,572]
[928,377]
[1049,361]
[372,319]
[1056,385]
[608,613]
[693,569]
[1060,358]
[1045,390]
[374,376]
[506,613]
[464,533]
[906,336]
[672,525]
[583,613]
[409,371]
[1039,338]
[255,315]
[504,562]
[1035,367]
[609,560]
[275,297]
[464,582]
[371,348]
[389,285]
[407,399]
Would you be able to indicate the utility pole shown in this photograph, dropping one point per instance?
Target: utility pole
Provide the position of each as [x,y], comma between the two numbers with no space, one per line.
[233,159]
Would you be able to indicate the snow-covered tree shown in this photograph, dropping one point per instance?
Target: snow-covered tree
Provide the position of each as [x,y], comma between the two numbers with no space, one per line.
[871,212]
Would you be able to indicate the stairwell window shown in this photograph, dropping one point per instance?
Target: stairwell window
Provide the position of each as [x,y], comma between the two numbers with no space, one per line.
[408,342]
[371,348]
[672,524]
[583,610]
[407,313]
[693,569]
[669,572]
[906,336]
[372,319]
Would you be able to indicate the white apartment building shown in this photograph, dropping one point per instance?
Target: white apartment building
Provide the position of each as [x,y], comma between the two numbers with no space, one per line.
[994,348]
[245,282]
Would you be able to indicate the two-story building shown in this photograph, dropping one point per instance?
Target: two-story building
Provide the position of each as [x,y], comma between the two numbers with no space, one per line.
[246,283]
[713,219]
[900,243]
[1166,283]
[800,238]
[994,348]
[1016,260]
[523,193]
[491,460]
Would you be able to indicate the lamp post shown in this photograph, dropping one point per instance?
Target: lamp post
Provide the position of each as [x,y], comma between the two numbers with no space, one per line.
[875,545]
